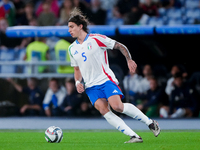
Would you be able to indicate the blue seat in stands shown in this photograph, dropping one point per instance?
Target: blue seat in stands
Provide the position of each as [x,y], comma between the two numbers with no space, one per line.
[19,55]
[175,21]
[189,20]
[192,13]
[162,12]
[156,21]
[192,3]
[7,55]
[174,12]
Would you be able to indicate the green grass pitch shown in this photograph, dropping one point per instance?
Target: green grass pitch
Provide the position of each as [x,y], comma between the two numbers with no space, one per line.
[99,140]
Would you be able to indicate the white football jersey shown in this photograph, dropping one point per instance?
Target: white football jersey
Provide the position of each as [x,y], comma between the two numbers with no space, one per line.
[92,59]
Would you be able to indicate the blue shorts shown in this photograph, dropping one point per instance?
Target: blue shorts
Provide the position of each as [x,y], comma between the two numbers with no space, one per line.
[103,91]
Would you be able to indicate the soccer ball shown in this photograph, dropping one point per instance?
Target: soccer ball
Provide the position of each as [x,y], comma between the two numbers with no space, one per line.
[53,134]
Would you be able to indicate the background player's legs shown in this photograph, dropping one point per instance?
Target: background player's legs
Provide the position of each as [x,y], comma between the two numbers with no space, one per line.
[128,109]
[102,106]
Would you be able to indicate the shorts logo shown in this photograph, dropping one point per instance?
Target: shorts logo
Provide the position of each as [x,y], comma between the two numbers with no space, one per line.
[89,46]
[115,91]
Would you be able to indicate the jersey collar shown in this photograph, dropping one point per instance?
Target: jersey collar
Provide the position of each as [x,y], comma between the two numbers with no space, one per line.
[77,42]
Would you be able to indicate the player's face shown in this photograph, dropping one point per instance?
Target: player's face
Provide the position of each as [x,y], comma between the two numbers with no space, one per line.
[74,29]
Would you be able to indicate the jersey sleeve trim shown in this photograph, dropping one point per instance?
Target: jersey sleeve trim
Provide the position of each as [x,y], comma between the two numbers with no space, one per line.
[70,51]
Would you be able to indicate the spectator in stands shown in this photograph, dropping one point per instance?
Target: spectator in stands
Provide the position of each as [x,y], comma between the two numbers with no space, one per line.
[108,4]
[7,10]
[86,108]
[7,43]
[28,14]
[175,69]
[65,10]
[54,98]
[46,17]
[170,3]
[147,73]
[161,73]
[72,100]
[124,6]
[37,51]
[151,99]
[127,10]
[19,9]
[33,22]
[149,8]
[194,81]
[132,86]
[183,102]
[34,106]
[61,52]
[82,5]
[96,15]
[54,7]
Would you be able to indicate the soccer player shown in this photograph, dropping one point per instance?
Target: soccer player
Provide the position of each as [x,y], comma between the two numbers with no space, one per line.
[88,55]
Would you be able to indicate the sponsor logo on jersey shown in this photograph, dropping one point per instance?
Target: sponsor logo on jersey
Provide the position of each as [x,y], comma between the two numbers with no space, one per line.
[89,46]
[76,52]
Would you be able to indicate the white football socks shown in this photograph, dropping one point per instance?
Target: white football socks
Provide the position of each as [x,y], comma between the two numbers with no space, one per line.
[134,112]
[119,124]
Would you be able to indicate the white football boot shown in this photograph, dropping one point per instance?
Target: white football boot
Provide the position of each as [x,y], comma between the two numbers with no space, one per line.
[155,128]
[134,139]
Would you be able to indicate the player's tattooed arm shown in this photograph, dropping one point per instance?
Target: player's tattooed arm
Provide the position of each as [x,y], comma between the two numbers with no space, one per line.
[124,50]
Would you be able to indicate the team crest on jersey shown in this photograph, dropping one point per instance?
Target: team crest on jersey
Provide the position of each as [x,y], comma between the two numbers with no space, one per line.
[89,46]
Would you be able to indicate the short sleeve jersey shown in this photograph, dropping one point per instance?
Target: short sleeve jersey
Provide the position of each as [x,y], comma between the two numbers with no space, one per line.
[91,58]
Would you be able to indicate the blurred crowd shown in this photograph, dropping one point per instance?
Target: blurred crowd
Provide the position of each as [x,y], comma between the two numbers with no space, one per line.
[159,93]
[59,99]
[100,12]
[156,91]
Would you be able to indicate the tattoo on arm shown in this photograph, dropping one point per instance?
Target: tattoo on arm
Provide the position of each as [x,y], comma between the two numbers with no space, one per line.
[124,50]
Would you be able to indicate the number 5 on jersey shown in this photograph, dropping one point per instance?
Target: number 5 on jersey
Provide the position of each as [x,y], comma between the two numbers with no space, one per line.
[83,55]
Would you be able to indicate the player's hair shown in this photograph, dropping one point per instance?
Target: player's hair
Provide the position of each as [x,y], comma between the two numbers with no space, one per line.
[77,17]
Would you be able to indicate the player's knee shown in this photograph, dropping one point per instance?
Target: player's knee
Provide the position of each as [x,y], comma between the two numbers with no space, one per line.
[118,108]
[101,108]
[103,111]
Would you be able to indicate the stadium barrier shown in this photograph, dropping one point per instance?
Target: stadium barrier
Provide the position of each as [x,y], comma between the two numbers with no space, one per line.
[62,31]
[12,65]
[135,30]
[186,29]
[34,71]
